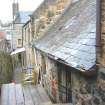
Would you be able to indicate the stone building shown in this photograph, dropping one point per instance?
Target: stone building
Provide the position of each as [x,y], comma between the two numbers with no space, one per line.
[28,57]
[19,19]
[101,42]
[45,16]
[68,69]
[41,20]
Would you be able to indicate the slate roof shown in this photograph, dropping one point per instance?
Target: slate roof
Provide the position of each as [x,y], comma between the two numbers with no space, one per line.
[73,38]
[24,16]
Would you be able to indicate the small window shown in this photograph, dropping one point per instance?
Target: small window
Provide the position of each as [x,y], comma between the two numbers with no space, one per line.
[19,41]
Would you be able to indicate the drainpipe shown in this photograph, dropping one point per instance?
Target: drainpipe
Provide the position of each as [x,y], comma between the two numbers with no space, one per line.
[98,31]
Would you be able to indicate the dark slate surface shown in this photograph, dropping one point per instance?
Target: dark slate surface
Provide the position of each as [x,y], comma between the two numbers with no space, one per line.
[73,38]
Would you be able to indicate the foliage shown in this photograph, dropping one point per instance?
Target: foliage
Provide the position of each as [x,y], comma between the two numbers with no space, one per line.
[6,68]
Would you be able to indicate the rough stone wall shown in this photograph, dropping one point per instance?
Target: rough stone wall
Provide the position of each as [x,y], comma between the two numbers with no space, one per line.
[88,90]
[49,74]
[45,16]
[50,79]
[55,80]
[103,31]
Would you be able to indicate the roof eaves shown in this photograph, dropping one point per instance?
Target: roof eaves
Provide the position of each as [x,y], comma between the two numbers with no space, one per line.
[66,63]
[26,23]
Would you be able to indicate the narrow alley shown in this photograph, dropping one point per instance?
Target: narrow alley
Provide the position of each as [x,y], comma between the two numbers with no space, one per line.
[16,94]
[52,52]
[19,93]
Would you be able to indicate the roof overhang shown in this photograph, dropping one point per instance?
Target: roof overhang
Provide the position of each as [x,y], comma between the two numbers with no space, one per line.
[18,51]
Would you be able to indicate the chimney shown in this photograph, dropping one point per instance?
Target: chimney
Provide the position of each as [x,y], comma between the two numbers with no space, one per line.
[15,8]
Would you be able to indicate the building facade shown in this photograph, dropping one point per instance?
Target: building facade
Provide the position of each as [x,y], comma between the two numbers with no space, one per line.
[45,16]
[28,57]
[41,20]
[19,19]
[66,65]
[63,33]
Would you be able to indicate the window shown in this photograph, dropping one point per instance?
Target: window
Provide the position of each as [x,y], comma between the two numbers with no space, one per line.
[19,41]
[64,83]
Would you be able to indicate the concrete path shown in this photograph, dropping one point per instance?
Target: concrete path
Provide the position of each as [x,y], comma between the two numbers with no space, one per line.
[16,94]
[32,95]
[18,75]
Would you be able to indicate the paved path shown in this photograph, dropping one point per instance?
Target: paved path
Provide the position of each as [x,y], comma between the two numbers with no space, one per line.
[18,75]
[16,94]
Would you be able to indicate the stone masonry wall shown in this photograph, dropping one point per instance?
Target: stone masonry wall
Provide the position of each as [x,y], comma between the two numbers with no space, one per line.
[103,31]
[88,90]
[50,79]
[45,16]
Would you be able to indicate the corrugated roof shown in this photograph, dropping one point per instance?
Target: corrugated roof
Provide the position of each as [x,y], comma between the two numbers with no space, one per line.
[73,38]
[24,16]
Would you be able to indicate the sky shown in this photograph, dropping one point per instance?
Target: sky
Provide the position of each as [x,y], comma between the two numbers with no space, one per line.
[25,5]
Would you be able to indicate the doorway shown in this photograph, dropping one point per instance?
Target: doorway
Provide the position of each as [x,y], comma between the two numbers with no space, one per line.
[64,83]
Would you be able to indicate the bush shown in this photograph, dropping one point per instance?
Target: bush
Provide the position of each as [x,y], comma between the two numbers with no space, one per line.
[6,68]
